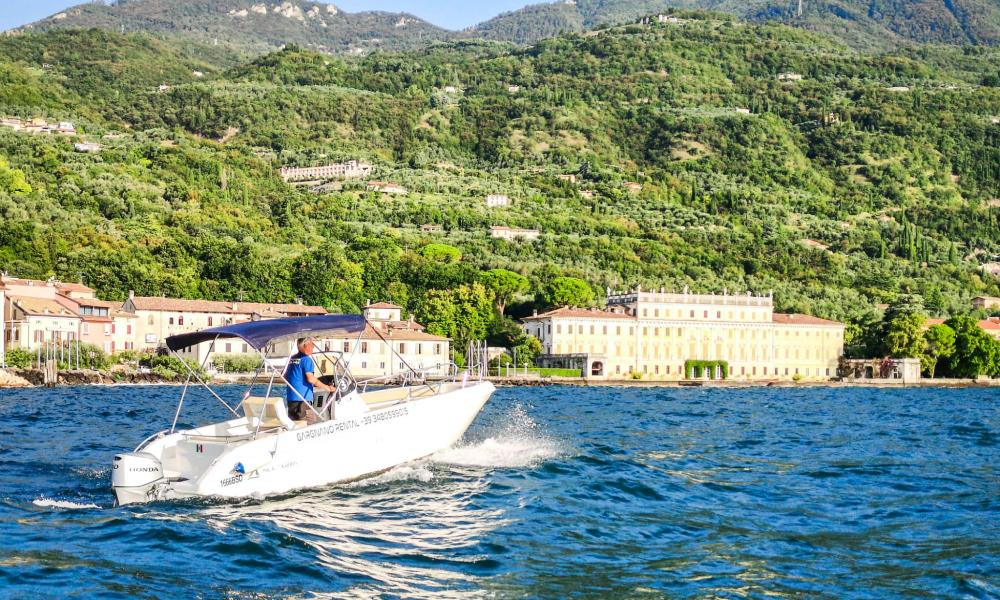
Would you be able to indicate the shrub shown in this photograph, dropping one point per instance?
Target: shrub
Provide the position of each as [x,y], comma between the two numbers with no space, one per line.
[695,369]
[19,358]
[236,363]
[173,368]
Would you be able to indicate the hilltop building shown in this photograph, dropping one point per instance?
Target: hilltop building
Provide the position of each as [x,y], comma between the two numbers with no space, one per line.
[497,200]
[386,187]
[657,335]
[514,234]
[986,302]
[351,169]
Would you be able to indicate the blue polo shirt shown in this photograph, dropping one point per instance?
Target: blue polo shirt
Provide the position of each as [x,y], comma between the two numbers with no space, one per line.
[295,375]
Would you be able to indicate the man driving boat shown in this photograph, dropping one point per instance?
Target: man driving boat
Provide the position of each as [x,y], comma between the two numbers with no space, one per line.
[301,378]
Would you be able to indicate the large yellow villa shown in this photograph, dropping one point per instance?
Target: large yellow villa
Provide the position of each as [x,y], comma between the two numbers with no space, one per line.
[664,336]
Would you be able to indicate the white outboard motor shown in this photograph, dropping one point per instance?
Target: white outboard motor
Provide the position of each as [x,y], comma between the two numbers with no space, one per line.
[134,472]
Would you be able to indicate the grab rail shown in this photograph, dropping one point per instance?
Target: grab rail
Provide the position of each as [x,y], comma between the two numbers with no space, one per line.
[150,439]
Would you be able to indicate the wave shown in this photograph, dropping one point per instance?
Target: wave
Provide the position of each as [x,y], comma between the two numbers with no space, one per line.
[413,472]
[516,442]
[49,503]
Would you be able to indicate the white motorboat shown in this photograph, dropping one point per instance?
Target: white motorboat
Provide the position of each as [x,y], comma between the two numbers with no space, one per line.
[261,451]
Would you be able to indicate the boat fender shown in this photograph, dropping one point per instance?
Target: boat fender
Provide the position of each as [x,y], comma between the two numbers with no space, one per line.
[135,469]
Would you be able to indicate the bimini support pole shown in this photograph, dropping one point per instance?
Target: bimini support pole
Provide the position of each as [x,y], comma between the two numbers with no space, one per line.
[187,383]
[202,381]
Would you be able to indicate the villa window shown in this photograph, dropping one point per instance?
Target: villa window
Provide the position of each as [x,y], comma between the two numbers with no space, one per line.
[209,321]
[718,314]
[347,347]
[171,321]
[437,348]
[605,330]
[229,347]
[364,347]
[180,320]
[692,314]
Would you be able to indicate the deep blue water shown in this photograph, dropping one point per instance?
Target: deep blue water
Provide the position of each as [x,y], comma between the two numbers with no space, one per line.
[559,491]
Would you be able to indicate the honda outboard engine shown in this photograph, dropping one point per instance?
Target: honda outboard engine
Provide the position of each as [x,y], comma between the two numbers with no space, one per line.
[132,474]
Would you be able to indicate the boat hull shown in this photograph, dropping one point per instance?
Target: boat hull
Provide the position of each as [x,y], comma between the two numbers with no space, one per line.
[333,451]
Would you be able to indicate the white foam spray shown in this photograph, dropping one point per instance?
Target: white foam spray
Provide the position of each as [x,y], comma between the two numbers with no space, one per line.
[517,442]
[49,503]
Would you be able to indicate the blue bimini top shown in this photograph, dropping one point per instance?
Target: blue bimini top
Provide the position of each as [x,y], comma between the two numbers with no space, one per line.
[259,334]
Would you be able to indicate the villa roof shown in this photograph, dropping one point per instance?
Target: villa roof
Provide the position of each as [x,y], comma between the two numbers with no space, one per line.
[567,312]
[401,334]
[72,287]
[384,306]
[180,304]
[262,307]
[41,307]
[215,306]
[797,319]
[991,324]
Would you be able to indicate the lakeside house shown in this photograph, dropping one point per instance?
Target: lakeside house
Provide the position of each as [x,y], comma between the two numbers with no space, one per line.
[991,325]
[431,228]
[87,147]
[351,169]
[656,335]
[370,354]
[37,314]
[513,234]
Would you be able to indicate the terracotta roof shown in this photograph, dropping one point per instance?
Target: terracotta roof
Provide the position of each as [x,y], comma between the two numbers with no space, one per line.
[580,313]
[402,335]
[797,319]
[96,302]
[990,324]
[41,306]
[72,287]
[181,305]
[216,306]
[262,307]
[384,305]
[96,318]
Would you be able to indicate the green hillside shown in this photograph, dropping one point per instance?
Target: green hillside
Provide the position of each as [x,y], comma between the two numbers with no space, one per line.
[880,24]
[835,191]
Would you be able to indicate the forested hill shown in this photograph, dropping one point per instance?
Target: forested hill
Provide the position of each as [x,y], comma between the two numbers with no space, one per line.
[862,23]
[255,26]
[710,154]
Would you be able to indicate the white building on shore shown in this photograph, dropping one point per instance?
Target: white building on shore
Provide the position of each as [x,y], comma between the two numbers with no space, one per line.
[668,337]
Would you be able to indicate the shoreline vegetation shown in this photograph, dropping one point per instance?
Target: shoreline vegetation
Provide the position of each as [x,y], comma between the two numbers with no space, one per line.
[25,378]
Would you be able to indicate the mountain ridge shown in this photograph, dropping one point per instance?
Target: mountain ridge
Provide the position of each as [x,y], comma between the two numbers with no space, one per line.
[262,25]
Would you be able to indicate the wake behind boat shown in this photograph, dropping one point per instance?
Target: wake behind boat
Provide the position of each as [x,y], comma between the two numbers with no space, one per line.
[262,451]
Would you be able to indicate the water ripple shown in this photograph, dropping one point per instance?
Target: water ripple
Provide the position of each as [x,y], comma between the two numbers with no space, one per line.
[555,492]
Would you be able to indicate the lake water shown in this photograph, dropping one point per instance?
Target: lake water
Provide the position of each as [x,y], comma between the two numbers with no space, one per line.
[555,492]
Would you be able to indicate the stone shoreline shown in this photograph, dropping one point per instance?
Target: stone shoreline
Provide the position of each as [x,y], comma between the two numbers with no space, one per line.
[14,378]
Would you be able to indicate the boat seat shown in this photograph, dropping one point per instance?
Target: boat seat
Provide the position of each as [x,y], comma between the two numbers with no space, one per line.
[269,412]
